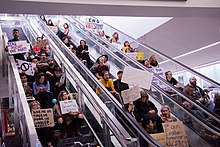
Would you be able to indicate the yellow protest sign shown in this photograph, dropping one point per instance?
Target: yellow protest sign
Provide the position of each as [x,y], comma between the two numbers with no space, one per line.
[43,118]
[140,55]
[175,134]
[160,137]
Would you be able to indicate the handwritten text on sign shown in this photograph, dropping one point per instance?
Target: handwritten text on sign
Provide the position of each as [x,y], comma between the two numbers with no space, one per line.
[68,106]
[130,94]
[42,43]
[17,47]
[160,137]
[175,133]
[93,24]
[43,118]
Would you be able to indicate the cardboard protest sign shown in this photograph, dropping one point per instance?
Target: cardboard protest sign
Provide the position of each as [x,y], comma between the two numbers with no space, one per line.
[140,55]
[68,106]
[93,24]
[175,134]
[26,67]
[42,43]
[18,47]
[53,28]
[130,94]
[132,55]
[138,77]
[160,137]
[43,118]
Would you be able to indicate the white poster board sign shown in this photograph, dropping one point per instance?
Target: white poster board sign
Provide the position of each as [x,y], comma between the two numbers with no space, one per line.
[67,106]
[93,24]
[26,67]
[132,55]
[137,77]
[160,72]
[130,94]
[18,47]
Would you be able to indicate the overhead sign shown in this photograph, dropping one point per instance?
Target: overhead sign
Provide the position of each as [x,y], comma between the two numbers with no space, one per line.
[18,47]
[26,67]
[130,94]
[43,118]
[68,106]
[137,77]
[175,134]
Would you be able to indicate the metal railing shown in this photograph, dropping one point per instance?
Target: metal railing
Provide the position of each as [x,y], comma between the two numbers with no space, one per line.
[108,119]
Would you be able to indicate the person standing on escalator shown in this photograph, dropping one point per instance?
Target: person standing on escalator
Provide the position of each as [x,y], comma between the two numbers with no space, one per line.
[15,34]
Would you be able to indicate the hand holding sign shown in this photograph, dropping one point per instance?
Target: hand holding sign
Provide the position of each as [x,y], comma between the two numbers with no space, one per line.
[136,76]
[130,94]
[17,47]
[43,118]
[69,106]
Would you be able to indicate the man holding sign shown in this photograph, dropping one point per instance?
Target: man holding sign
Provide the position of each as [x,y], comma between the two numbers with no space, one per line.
[15,39]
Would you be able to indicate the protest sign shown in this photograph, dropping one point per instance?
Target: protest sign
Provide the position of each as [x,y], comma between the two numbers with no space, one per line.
[18,47]
[175,134]
[138,77]
[42,43]
[93,24]
[160,137]
[130,94]
[140,55]
[160,72]
[26,67]
[43,118]
[132,55]
[68,106]
[54,28]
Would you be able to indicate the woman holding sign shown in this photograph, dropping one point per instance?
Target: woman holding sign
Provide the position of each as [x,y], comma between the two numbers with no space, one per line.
[44,133]
[67,109]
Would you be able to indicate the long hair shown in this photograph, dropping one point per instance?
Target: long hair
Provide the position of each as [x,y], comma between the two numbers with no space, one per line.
[117,38]
[60,96]
[38,78]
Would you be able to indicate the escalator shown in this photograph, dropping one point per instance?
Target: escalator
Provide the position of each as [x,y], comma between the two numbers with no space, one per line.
[85,84]
[102,128]
[165,61]
[157,93]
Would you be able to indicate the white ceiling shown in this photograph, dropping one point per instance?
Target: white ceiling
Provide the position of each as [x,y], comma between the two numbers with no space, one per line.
[134,26]
[190,8]
[183,35]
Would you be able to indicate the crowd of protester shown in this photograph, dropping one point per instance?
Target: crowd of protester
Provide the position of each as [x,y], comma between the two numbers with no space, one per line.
[46,84]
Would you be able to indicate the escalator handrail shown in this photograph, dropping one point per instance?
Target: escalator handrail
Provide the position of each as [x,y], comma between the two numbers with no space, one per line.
[204,123]
[169,58]
[113,100]
[152,141]
[108,120]
[192,101]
